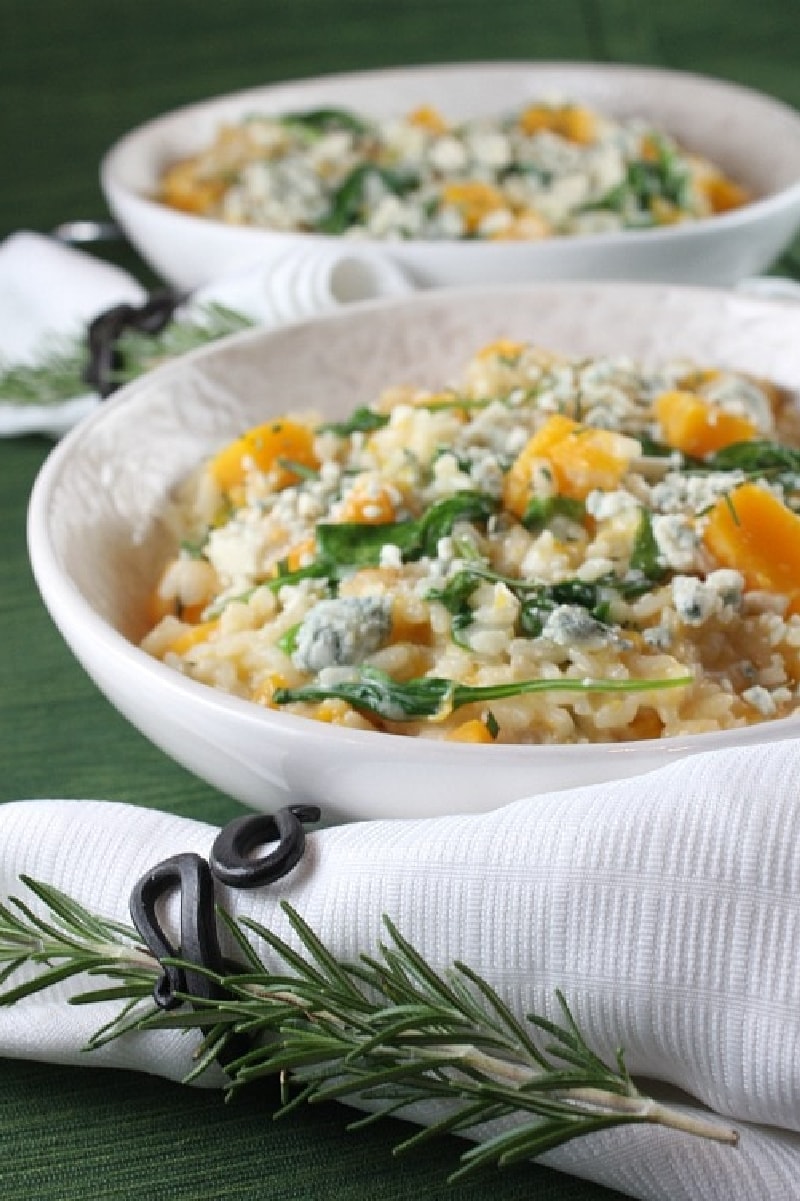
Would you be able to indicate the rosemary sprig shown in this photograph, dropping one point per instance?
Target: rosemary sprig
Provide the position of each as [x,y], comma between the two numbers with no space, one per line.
[386,1032]
[58,374]
[72,942]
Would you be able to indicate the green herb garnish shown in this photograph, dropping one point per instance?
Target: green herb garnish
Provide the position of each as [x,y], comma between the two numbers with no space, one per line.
[362,421]
[299,469]
[645,556]
[490,721]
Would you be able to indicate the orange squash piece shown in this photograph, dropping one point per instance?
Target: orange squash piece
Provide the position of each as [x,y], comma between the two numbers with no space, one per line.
[428,117]
[160,606]
[580,457]
[265,447]
[470,731]
[301,554]
[474,200]
[369,506]
[193,637]
[723,194]
[572,122]
[501,348]
[753,532]
[528,225]
[694,426]
[183,188]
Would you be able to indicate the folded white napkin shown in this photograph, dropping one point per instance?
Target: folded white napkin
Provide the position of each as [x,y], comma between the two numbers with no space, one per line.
[50,292]
[666,908]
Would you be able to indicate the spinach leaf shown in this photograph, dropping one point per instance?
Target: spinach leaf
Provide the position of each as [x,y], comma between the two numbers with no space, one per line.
[353,544]
[754,457]
[347,202]
[434,696]
[456,592]
[541,511]
[321,120]
[322,568]
[664,178]
[441,517]
[455,596]
[540,603]
[359,545]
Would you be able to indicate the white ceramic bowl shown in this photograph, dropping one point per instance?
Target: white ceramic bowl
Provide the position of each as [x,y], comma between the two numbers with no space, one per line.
[754,138]
[96,538]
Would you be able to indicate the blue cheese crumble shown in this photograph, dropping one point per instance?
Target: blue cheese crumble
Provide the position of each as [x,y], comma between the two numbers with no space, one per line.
[342,632]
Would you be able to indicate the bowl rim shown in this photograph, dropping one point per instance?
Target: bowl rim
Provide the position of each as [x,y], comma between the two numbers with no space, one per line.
[760,207]
[70,610]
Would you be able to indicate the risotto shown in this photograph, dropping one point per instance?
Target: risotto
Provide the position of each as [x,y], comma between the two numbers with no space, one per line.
[548,169]
[553,550]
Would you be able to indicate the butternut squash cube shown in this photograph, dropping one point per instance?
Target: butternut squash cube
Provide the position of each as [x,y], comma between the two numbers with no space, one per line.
[470,731]
[369,504]
[272,448]
[572,122]
[474,200]
[193,637]
[182,187]
[428,117]
[753,532]
[580,457]
[694,426]
[723,194]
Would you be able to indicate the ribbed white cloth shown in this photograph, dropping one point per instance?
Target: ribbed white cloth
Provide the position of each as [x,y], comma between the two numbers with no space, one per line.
[666,908]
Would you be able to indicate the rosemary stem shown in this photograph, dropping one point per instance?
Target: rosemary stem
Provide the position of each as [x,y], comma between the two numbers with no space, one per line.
[653,1111]
[136,958]
[644,1108]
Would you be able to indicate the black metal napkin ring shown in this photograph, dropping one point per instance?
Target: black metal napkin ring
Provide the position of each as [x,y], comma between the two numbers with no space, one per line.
[229,855]
[105,331]
[199,940]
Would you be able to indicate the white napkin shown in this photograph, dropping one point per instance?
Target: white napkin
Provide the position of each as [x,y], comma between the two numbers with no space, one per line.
[50,292]
[666,908]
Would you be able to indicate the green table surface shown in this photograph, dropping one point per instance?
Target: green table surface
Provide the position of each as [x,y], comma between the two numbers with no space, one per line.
[73,77]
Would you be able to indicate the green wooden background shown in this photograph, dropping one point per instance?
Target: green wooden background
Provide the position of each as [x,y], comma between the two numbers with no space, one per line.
[73,77]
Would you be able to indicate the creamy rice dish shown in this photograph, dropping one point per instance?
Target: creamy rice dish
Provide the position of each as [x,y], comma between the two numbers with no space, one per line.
[552,168]
[552,550]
